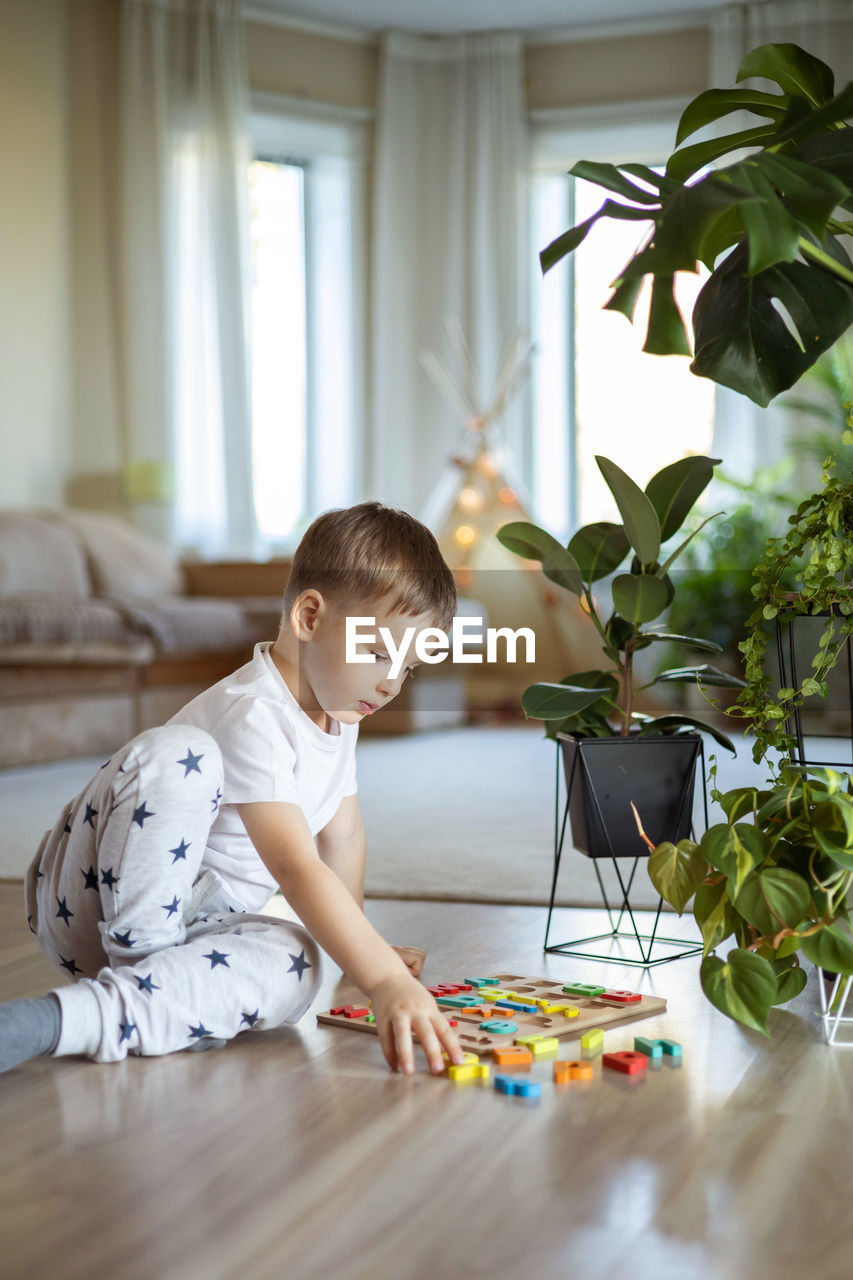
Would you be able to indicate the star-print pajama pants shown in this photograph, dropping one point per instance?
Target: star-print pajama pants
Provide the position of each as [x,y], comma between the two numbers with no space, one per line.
[160,954]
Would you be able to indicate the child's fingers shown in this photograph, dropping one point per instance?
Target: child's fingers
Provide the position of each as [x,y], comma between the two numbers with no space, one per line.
[448,1038]
[430,1042]
[389,1048]
[402,1030]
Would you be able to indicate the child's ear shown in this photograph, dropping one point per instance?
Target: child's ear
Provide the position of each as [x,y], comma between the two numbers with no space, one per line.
[306,614]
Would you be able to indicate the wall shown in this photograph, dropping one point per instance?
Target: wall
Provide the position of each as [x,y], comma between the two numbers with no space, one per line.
[61,428]
[34,357]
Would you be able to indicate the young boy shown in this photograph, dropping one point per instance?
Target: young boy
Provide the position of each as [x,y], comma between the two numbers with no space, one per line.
[146,889]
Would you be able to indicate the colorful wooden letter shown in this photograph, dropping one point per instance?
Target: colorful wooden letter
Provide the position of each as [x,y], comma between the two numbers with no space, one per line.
[630,1064]
[513,1056]
[566,1071]
[593,1040]
[583,989]
[622,997]
[499,1026]
[651,1048]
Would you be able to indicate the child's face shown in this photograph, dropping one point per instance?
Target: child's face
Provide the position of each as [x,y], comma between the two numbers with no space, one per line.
[349,691]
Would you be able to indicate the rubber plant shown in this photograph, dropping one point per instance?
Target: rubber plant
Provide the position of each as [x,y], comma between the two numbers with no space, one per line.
[765,224]
[600,703]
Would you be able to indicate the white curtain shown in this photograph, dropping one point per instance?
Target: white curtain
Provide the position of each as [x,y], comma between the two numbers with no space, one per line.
[449,240]
[746,436]
[184,202]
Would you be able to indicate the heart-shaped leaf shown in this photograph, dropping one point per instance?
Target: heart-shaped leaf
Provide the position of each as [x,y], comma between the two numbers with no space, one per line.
[714,914]
[735,850]
[831,948]
[743,987]
[676,871]
[638,514]
[773,899]
[789,983]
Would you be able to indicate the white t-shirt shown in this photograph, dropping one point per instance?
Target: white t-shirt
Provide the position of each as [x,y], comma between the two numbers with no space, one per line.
[271,750]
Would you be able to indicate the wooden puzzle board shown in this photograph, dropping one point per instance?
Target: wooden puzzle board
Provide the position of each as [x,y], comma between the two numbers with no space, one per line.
[595,1011]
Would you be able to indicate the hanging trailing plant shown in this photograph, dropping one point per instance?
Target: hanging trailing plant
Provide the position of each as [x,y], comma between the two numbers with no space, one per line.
[822,533]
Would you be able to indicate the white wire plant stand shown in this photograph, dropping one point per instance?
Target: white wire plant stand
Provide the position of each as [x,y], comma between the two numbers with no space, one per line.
[833,1004]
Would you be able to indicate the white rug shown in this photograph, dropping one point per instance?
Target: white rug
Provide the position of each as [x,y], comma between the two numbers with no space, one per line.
[464,814]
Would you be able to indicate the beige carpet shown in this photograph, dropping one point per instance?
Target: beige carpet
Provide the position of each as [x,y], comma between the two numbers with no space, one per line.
[461,814]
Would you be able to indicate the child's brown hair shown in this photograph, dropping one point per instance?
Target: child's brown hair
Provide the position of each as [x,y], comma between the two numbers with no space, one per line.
[360,554]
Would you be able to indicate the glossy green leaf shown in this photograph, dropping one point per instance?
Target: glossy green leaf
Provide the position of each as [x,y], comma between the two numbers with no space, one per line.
[692,642]
[831,948]
[661,724]
[715,103]
[569,240]
[704,674]
[810,193]
[811,124]
[789,983]
[686,161]
[773,234]
[599,549]
[638,597]
[773,899]
[638,514]
[735,850]
[743,986]
[666,332]
[609,177]
[836,847]
[831,153]
[676,871]
[674,490]
[792,68]
[533,543]
[624,297]
[741,340]
[714,914]
[556,701]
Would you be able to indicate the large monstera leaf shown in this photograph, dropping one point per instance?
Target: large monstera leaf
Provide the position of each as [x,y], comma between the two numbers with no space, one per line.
[766,225]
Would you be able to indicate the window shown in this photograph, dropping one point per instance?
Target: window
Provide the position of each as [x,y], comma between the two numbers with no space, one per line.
[307,238]
[594,390]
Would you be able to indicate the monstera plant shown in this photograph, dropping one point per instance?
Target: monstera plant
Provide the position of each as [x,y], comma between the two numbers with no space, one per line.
[766,224]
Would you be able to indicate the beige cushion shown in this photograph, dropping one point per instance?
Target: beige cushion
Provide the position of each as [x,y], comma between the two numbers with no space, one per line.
[122,560]
[37,556]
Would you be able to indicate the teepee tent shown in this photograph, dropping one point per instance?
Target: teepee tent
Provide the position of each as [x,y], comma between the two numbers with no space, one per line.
[476,495]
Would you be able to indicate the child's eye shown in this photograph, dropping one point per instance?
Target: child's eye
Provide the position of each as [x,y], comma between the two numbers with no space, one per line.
[383,657]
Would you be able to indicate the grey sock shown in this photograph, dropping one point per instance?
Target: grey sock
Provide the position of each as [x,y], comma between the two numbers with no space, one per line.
[28,1028]
[207,1043]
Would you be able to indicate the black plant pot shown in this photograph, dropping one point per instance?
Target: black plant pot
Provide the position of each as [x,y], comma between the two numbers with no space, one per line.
[603,777]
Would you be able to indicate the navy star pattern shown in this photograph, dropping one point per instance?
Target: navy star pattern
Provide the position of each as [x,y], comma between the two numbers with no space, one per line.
[215,801]
[300,964]
[70,965]
[180,851]
[190,763]
[250,1018]
[199,1032]
[218,957]
[91,814]
[172,907]
[141,814]
[124,938]
[145,984]
[127,1029]
[90,878]
[63,913]
[108,878]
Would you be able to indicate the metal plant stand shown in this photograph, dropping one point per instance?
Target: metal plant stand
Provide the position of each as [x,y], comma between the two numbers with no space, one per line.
[788,677]
[574,948]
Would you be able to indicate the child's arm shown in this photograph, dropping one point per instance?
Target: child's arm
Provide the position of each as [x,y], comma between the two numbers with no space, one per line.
[401,1005]
[342,845]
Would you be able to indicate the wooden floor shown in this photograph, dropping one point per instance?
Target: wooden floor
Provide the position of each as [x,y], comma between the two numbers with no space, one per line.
[297,1154]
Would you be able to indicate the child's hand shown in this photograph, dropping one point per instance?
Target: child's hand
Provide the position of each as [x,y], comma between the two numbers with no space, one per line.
[402,1007]
[413,958]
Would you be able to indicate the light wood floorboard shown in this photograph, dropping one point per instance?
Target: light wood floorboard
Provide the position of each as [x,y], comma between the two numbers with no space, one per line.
[296,1154]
